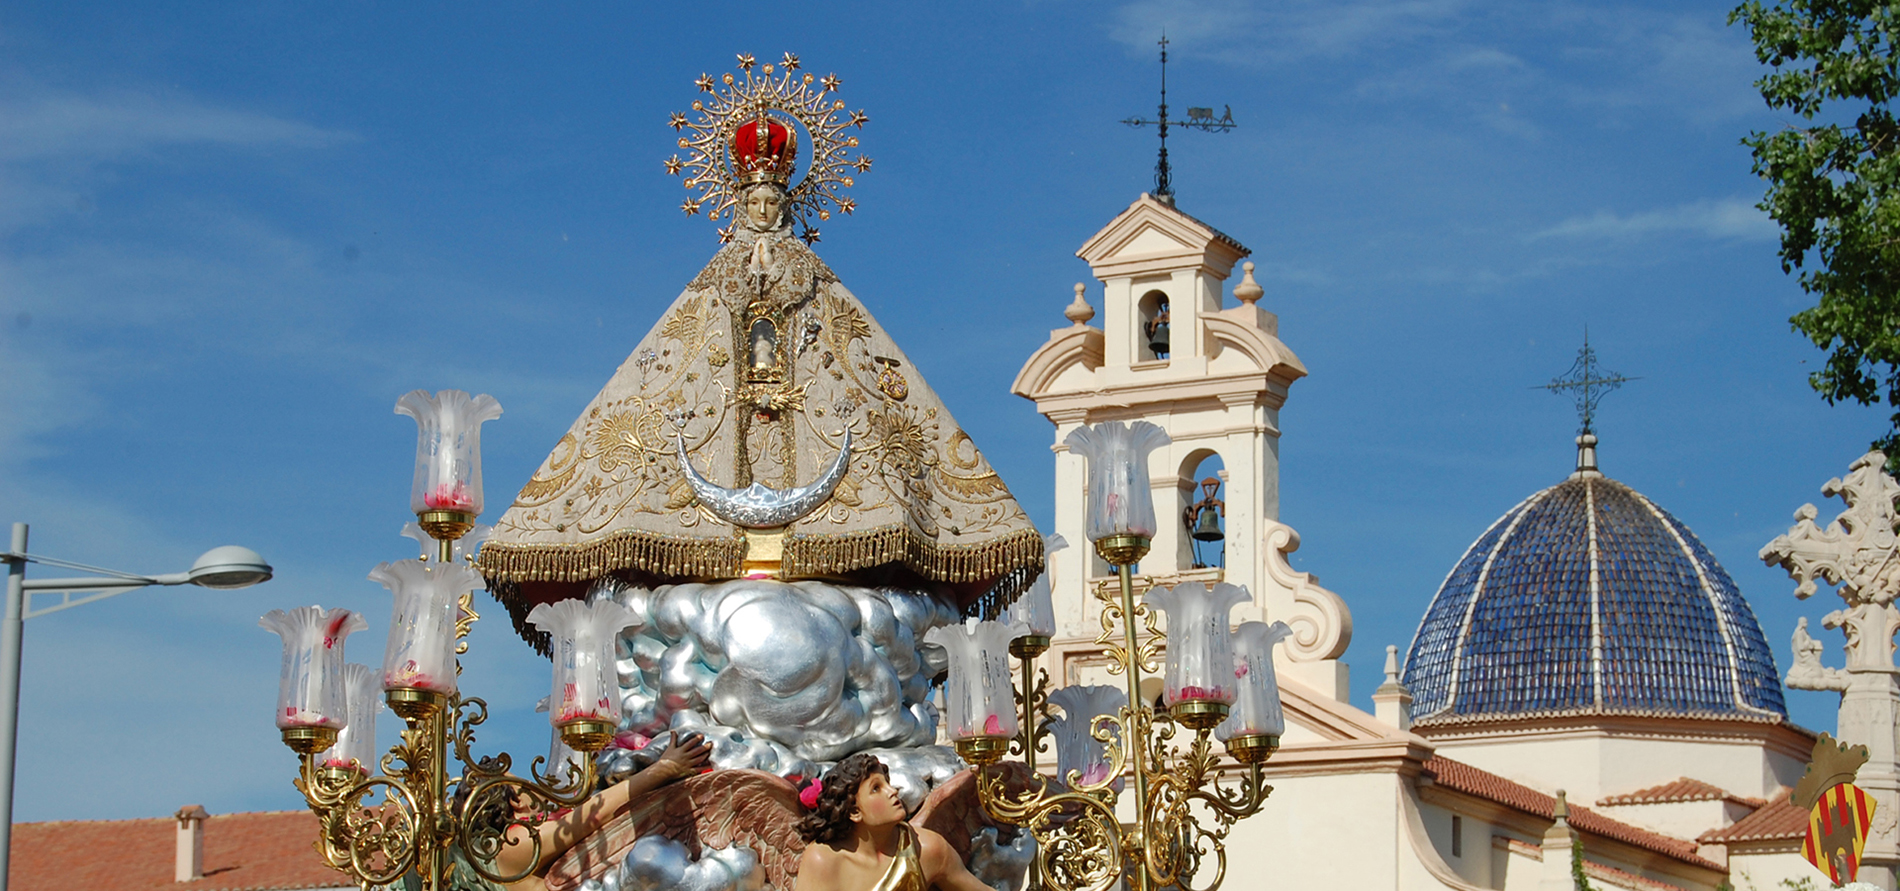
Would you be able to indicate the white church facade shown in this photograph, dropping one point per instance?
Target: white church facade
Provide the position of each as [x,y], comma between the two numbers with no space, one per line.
[1586,642]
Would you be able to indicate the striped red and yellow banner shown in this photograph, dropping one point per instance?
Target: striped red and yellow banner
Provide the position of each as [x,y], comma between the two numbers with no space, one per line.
[1837,831]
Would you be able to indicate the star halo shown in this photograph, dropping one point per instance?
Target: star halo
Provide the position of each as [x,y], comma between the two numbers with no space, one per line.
[789,96]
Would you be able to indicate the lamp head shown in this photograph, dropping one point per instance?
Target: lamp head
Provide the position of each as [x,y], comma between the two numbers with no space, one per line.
[230,566]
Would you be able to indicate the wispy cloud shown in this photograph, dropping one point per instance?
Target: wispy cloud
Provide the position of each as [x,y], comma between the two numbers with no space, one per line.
[1730,218]
[68,126]
[1479,54]
[1240,30]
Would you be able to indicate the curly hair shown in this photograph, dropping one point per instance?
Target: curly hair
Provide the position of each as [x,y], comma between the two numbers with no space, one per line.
[830,822]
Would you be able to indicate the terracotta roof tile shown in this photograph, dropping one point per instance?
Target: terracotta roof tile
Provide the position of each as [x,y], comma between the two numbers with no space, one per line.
[243,852]
[1625,878]
[1778,819]
[1678,790]
[1464,778]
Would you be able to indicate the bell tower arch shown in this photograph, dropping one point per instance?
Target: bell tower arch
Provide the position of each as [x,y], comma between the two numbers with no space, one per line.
[1215,378]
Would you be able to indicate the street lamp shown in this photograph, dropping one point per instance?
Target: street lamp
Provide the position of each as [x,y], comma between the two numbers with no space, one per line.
[226,567]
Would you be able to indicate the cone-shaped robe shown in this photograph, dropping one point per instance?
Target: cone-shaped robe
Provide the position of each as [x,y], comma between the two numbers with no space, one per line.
[760,366]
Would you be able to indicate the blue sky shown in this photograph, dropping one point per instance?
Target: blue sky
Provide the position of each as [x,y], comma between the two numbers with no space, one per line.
[231,236]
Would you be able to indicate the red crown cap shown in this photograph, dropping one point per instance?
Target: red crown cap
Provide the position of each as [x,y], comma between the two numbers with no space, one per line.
[767,159]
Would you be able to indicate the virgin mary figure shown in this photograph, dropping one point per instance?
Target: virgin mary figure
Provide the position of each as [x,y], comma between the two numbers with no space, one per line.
[765,376]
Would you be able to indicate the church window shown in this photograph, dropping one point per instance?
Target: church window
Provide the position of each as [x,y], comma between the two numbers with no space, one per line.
[1457,836]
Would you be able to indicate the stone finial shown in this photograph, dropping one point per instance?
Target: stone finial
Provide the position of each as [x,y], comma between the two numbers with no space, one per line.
[1248,290]
[1587,456]
[1392,702]
[1079,311]
[1561,810]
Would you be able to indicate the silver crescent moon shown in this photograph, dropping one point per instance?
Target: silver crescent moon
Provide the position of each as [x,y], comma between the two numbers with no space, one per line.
[759,507]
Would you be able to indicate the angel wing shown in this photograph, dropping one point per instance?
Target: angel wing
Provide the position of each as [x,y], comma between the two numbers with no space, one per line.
[953,811]
[717,809]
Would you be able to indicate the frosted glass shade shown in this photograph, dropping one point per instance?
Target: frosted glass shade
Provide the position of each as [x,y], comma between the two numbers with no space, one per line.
[1036,609]
[310,685]
[978,699]
[448,448]
[1257,709]
[363,696]
[1120,500]
[582,637]
[420,654]
[1200,664]
[1077,750]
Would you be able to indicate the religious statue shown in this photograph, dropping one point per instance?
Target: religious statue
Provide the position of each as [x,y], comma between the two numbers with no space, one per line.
[787,507]
[1807,672]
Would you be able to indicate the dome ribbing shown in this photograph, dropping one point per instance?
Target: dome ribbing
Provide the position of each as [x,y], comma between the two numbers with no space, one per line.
[1589,598]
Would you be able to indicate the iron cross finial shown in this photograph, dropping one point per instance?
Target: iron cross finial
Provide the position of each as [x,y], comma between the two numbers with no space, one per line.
[1588,383]
[1198,119]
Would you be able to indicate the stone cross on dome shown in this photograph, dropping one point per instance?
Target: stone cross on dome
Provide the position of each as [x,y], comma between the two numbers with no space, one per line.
[1588,385]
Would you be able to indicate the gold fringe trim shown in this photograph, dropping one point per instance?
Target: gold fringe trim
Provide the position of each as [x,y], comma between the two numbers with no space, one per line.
[664,555]
[808,556]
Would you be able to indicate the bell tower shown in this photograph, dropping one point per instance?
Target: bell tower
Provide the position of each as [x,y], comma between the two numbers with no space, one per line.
[1213,373]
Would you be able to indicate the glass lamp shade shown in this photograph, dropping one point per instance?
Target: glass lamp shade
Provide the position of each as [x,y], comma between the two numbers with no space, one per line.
[1077,750]
[421,650]
[1200,663]
[584,635]
[978,699]
[1257,710]
[562,757]
[1036,609]
[448,448]
[310,687]
[1120,500]
[357,742]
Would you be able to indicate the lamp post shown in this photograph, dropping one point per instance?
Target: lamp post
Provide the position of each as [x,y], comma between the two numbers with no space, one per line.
[1182,810]
[224,567]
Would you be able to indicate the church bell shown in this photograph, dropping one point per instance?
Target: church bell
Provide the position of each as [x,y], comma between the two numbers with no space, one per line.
[1158,338]
[1207,525]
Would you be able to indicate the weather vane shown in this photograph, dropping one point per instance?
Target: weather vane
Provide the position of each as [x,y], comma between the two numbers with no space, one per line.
[1198,119]
[1588,383]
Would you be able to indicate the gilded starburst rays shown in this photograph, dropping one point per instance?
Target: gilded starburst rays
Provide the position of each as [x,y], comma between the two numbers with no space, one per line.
[789,96]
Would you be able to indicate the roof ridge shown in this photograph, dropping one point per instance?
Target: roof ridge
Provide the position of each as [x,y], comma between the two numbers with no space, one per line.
[166,819]
[1678,790]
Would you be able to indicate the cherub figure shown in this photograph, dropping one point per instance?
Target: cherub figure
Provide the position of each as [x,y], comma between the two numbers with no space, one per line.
[857,839]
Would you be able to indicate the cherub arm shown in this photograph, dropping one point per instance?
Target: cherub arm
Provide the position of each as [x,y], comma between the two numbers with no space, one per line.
[942,866]
[680,760]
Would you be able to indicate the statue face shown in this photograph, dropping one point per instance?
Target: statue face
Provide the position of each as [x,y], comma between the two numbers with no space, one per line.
[878,804]
[762,206]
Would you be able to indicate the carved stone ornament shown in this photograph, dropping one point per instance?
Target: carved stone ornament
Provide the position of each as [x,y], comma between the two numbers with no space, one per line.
[1858,553]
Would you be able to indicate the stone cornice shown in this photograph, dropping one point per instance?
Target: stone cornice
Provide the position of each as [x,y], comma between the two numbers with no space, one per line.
[1066,347]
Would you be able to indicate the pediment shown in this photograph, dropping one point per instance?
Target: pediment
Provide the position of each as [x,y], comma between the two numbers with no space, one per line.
[1149,229]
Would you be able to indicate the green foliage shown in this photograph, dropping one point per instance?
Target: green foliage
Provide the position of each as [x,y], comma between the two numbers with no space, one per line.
[1576,864]
[1834,187]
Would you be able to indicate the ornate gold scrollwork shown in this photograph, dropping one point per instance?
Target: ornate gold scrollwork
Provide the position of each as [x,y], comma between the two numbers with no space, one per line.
[1183,808]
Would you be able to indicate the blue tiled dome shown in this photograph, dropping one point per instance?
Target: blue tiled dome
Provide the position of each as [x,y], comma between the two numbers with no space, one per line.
[1589,598]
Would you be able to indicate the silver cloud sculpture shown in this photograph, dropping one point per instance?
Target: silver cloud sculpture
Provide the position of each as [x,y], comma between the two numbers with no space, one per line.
[783,676]
[759,507]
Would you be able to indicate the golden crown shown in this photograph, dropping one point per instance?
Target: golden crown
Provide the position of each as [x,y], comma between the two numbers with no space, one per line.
[745,132]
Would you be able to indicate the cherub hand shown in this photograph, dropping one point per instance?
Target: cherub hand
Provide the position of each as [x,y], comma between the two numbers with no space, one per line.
[685,757]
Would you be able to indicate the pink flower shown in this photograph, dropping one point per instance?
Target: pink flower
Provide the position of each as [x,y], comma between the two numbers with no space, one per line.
[992,726]
[1240,671]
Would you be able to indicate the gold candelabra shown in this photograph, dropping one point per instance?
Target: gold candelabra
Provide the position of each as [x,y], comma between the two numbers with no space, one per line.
[418,825]
[1182,811]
